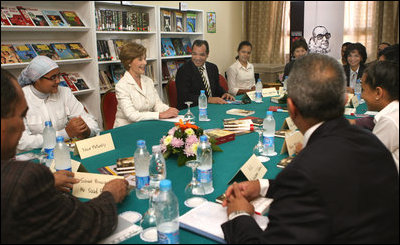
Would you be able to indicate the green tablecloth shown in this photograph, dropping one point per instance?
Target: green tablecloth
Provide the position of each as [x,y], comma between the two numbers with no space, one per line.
[226,164]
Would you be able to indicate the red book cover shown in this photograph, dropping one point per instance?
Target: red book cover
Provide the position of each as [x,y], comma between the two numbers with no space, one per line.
[25,15]
[4,20]
[71,85]
[15,17]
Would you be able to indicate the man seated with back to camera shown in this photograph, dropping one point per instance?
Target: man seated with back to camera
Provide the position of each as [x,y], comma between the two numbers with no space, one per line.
[198,74]
[33,210]
[343,187]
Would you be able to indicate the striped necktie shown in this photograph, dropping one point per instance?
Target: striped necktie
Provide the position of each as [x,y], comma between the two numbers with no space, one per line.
[208,90]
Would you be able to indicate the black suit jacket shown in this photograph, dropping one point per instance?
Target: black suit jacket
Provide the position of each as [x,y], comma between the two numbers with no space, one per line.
[347,72]
[189,83]
[343,187]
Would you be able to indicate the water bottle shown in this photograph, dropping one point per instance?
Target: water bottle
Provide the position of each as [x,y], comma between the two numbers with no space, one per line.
[204,170]
[49,142]
[357,90]
[259,87]
[269,134]
[62,155]
[202,106]
[142,162]
[157,169]
[285,84]
[167,214]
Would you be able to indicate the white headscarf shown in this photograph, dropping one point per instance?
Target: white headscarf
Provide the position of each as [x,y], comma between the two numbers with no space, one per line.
[37,68]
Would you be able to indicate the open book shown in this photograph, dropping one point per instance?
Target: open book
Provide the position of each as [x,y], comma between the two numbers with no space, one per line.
[206,220]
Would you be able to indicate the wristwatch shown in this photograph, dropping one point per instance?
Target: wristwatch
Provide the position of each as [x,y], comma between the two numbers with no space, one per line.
[237,213]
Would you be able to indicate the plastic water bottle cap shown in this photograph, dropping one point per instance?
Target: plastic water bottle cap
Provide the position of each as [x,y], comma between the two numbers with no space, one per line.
[60,139]
[48,124]
[156,148]
[259,80]
[203,138]
[165,185]
[269,113]
[202,92]
[141,143]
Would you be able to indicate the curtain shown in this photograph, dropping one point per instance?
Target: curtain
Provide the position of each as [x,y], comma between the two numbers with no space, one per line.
[267,28]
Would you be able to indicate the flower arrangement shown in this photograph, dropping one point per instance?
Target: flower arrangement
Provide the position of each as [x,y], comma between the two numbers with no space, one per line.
[183,140]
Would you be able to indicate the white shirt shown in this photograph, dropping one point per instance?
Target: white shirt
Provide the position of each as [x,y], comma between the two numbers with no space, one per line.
[137,104]
[57,108]
[353,77]
[240,77]
[387,129]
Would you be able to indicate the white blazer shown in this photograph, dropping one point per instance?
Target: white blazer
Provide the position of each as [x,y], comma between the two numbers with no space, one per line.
[137,104]
[57,108]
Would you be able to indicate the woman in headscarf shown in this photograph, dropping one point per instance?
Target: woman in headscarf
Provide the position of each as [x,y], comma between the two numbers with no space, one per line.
[49,102]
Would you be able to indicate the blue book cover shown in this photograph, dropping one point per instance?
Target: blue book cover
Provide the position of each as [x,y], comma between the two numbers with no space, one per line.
[167,48]
[54,18]
[191,22]
[63,51]
[187,46]
[25,52]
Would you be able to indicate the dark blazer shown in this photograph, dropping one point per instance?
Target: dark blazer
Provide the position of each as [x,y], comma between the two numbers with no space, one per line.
[288,68]
[34,211]
[189,83]
[347,72]
[343,187]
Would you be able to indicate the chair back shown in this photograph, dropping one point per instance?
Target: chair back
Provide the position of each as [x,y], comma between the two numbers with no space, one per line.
[172,94]
[223,83]
[109,108]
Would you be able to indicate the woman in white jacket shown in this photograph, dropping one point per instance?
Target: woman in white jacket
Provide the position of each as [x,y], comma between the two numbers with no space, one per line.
[138,100]
[49,102]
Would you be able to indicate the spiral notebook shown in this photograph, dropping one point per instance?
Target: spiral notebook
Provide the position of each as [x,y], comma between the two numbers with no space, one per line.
[124,230]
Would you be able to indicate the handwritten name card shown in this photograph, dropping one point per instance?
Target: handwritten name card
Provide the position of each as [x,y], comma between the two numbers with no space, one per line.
[268,92]
[253,169]
[94,146]
[289,124]
[291,140]
[91,185]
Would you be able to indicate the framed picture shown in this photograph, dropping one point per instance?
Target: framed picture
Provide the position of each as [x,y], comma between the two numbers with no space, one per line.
[211,22]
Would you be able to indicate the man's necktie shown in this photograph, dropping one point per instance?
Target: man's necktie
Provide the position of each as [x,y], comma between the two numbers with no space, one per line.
[208,90]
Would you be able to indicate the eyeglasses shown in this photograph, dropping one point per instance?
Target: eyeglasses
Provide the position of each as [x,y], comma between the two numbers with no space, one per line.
[326,35]
[53,78]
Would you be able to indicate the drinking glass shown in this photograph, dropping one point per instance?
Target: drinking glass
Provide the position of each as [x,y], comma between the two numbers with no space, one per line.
[258,149]
[194,190]
[148,221]
[189,117]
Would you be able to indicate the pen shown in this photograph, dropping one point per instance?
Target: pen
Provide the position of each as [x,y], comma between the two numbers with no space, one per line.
[281,110]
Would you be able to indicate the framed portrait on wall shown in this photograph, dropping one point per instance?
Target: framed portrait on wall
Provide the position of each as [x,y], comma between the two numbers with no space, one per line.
[211,22]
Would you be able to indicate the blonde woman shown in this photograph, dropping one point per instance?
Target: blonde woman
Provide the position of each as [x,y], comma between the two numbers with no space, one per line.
[138,100]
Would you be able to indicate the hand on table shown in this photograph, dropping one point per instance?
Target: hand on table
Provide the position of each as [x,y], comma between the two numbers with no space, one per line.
[227,96]
[236,201]
[216,100]
[248,189]
[118,188]
[64,180]
[76,127]
[170,113]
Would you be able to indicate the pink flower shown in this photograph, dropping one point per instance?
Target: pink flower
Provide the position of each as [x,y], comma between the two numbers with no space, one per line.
[188,151]
[162,140]
[192,139]
[177,143]
[172,131]
[163,148]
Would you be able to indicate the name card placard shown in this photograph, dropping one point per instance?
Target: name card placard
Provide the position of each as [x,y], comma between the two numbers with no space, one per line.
[91,185]
[253,169]
[291,140]
[354,101]
[268,92]
[289,124]
[349,97]
[280,90]
[94,146]
[252,95]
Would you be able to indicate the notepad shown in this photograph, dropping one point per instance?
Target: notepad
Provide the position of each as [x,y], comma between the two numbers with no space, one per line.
[206,220]
[124,230]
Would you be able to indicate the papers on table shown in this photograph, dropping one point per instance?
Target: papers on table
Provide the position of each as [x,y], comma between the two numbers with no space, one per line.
[175,119]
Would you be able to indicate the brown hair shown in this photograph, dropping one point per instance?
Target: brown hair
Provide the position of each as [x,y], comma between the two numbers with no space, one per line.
[129,52]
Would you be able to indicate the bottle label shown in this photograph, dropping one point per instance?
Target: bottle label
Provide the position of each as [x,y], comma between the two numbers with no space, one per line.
[204,176]
[142,182]
[268,141]
[68,169]
[258,95]
[49,152]
[168,238]
[203,112]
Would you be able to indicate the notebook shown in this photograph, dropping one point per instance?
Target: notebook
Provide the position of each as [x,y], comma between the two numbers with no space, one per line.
[124,230]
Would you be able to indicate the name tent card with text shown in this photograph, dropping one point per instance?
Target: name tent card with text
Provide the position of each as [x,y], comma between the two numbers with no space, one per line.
[291,140]
[253,169]
[94,146]
[289,124]
[91,185]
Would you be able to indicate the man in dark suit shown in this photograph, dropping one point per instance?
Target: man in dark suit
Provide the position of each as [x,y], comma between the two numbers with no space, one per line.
[33,210]
[343,187]
[196,75]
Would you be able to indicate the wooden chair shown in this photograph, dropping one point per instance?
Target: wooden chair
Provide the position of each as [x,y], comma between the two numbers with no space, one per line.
[223,83]
[109,108]
[172,94]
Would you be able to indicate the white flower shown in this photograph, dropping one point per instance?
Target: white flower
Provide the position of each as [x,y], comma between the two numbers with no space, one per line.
[168,140]
[189,132]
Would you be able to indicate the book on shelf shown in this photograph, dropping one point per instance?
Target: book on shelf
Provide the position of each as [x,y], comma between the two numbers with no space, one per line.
[36,16]
[54,18]
[178,21]
[164,71]
[191,22]
[4,19]
[25,52]
[105,82]
[149,71]
[187,46]
[166,20]
[117,72]
[111,47]
[14,16]
[46,50]
[62,50]
[179,63]
[78,81]
[172,68]
[71,18]
[25,15]
[103,50]
[167,47]
[69,82]
[118,44]
[63,83]
[145,21]
[8,54]
[177,42]
[77,50]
